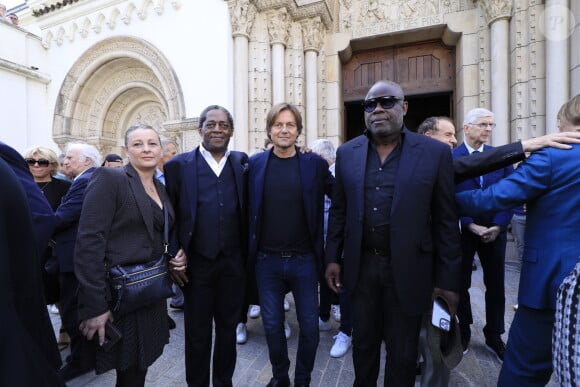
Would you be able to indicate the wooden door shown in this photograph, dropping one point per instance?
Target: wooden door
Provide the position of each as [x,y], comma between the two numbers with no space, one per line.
[422,68]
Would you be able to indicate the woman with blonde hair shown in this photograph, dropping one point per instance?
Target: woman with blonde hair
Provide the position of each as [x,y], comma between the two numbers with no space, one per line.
[43,165]
[125,212]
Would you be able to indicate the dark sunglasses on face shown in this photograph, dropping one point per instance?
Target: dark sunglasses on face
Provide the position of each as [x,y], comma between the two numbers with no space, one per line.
[386,103]
[41,162]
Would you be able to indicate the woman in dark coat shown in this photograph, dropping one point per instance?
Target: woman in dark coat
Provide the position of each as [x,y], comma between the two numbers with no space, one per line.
[43,165]
[122,222]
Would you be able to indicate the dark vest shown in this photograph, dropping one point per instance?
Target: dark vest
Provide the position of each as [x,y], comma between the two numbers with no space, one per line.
[217,223]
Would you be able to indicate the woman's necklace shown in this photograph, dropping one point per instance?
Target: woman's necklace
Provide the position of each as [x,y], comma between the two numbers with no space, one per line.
[151,188]
[44,186]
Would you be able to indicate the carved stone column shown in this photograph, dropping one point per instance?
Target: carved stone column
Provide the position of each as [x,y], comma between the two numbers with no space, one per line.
[242,15]
[311,29]
[556,31]
[278,24]
[498,13]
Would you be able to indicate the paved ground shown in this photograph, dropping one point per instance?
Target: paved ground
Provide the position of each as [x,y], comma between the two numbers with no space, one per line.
[478,367]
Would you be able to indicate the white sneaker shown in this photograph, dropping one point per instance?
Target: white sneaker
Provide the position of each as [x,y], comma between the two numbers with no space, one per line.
[342,343]
[287,330]
[286,305]
[241,333]
[254,311]
[52,309]
[335,312]
[324,326]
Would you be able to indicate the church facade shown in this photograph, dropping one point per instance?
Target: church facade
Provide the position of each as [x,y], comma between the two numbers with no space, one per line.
[86,70]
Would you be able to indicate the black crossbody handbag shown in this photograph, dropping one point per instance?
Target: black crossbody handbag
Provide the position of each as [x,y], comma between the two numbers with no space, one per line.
[137,285]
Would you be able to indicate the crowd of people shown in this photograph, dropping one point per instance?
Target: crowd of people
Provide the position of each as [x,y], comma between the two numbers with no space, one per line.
[370,234]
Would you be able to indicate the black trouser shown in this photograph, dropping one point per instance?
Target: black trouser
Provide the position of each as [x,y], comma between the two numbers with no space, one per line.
[492,258]
[82,352]
[131,377]
[251,295]
[327,298]
[378,317]
[215,292]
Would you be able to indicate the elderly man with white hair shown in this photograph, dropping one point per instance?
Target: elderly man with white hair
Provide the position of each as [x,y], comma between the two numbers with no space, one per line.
[485,235]
[80,160]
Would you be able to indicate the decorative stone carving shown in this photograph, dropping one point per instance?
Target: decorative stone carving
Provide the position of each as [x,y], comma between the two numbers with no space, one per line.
[242,15]
[302,9]
[151,115]
[278,25]
[364,18]
[311,34]
[123,10]
[496,9]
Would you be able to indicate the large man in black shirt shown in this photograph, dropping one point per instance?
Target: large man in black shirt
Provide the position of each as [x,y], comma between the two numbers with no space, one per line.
[393,210]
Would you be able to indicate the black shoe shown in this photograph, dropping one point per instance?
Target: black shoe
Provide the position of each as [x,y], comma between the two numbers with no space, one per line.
[497,347]
[465,338]
[278,383]
[474,267]
[419,369]
[171,323]
[69,372]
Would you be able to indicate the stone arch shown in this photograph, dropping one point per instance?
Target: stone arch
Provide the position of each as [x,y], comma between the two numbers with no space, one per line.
[115,83]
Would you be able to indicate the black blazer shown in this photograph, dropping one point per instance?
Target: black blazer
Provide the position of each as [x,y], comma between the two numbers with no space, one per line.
[28,352]
[478,164]
[116,227]
[424,233]
[316,181]
[181,182]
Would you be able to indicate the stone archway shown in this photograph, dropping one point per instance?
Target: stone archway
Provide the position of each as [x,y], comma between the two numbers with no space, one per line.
[115,83]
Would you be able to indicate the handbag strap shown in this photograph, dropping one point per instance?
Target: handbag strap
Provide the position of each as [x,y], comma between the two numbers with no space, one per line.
[165,229]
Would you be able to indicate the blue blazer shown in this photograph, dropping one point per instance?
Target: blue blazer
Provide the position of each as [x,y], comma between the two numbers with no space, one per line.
[181,185]
[316,181]
[68,215]
[425,247]
[549,182]
[492,218]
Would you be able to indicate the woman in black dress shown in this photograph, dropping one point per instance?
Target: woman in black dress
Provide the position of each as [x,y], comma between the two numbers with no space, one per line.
[122,222]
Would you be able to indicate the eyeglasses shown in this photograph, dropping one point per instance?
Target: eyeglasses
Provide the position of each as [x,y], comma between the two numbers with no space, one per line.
[386,103]
[41,162]
[483,125]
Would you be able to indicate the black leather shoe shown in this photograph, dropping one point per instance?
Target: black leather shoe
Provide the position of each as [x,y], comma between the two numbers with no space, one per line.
[278,383]
[69,372]
[465,339]
[497,347]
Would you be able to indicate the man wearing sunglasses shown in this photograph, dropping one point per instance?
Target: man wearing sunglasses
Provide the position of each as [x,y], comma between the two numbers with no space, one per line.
[393,215]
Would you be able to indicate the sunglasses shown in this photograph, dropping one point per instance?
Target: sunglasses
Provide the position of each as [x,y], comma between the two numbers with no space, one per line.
[41,162]
[386,103]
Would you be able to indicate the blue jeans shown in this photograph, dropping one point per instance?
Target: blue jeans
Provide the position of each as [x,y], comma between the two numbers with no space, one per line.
[275,274]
